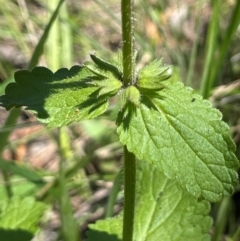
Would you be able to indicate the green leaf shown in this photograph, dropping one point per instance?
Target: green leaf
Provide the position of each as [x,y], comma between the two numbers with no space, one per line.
[169,212]
[107,86]
[109,229]
[21,214]
[109,76]
[104,65]
[20,187]
[184,137]
[155,69]
[164,211]
[57,98]
[151,76]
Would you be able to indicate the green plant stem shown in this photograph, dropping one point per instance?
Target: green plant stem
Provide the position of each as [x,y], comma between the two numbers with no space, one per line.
[145,46]
[69,225]
[129,194]
[128,43]
[129,158]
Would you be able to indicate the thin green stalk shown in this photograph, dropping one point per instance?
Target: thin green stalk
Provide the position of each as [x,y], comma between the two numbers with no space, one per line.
[69,226]
[212,65]
[11,120]
[128,42]
[232,27]
[113,195]
[129,194]
[221,220]
[145,46]
[206,82]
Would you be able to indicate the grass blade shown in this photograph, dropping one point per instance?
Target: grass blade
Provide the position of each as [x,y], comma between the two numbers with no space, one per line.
[39,48]
[221,219]
[21,170]
[213,29]
[11,120]
[232,27]
[66,38]
[113,194]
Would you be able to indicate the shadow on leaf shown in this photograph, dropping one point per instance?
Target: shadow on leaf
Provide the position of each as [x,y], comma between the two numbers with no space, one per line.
[96,235]
[15,235]
[125,115]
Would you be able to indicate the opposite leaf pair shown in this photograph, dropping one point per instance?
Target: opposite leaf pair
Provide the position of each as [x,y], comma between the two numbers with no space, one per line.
[184,139]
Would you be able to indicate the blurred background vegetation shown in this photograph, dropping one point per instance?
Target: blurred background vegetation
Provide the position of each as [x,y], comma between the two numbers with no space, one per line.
[201,39]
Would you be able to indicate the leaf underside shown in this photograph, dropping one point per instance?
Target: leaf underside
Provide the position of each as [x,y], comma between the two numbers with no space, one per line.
[56,98]
[184,137]
[164,211]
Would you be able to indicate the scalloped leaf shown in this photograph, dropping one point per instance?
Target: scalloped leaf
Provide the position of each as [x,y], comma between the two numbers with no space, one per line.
[164,211]
[184,137]
[21,214]
[56,98]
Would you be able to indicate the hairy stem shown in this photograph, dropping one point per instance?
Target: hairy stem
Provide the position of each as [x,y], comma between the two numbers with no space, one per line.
[129,158]
[128,42]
